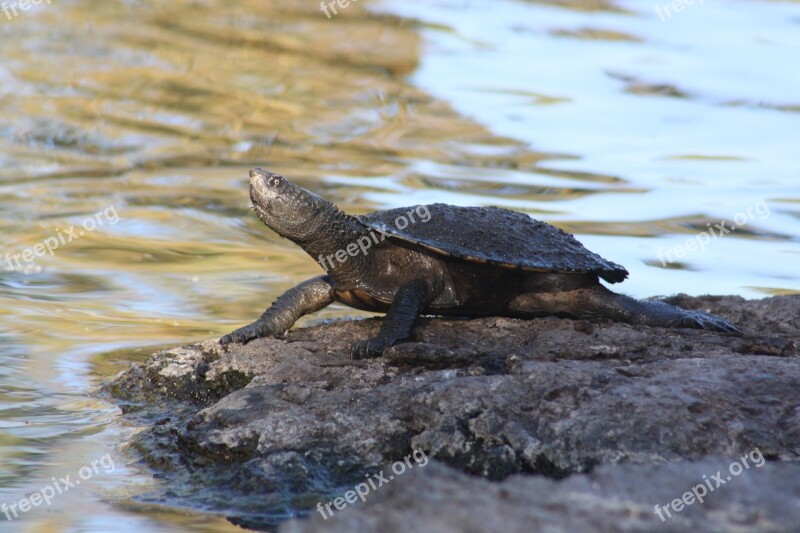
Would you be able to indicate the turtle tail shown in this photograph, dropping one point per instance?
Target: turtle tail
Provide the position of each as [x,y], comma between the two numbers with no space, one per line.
[608,304]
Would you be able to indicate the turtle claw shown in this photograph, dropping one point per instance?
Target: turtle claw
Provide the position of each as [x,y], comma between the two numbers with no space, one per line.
[241,335]
[367,349]
[701,320]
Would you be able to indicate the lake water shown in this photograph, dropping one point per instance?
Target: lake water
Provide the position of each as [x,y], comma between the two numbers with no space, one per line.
[128,129]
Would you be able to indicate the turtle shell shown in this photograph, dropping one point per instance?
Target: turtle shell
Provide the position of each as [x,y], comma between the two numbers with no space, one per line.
[495,236]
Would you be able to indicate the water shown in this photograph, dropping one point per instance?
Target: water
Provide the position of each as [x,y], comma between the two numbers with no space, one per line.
[140,120]
[660,128]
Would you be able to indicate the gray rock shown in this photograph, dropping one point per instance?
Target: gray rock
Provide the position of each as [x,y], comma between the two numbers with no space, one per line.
[437,499]
[263,432]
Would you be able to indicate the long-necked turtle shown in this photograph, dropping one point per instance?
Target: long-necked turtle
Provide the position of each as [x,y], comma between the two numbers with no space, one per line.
[441,260]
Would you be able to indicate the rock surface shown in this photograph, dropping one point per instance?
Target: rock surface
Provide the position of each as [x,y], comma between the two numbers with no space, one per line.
[582,426]
[611,498]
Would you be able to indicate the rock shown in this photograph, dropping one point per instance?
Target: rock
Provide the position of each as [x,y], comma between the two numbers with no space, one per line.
[611,498]
[547,407]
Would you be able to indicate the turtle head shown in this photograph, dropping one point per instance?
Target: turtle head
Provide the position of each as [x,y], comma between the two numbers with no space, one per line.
[290,210]
[309,221]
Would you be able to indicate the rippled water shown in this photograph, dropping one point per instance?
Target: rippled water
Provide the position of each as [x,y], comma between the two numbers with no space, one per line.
[135,123]
[654,129]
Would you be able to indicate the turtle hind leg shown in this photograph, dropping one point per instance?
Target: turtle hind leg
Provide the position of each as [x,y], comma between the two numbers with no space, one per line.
[603,302]
[596,302]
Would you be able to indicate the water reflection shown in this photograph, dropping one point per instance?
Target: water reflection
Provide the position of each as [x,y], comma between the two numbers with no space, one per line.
[592,115]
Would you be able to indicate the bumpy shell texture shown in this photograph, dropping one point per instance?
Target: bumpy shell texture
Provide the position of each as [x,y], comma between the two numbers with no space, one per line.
[494,236]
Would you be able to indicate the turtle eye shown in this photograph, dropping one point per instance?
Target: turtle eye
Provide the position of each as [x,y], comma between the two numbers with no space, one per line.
[275,181]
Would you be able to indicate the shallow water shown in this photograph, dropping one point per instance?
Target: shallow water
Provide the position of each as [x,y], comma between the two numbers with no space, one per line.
[135,123]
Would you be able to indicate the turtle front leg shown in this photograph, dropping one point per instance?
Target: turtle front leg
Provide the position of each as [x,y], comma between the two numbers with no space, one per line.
[410,299]
[311,295]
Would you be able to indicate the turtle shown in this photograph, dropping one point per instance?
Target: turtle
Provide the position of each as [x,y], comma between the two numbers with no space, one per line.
[441,260]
